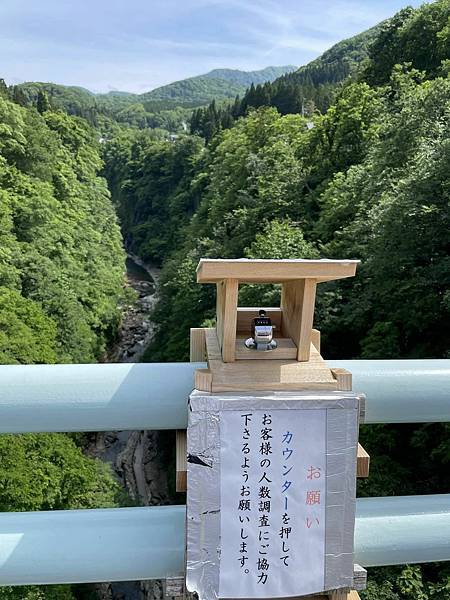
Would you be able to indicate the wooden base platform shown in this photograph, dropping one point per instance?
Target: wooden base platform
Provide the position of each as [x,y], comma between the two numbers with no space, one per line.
[285,350]
[247,375]
[353,595]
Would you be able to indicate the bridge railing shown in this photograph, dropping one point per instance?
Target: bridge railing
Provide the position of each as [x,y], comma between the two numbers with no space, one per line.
[143,543]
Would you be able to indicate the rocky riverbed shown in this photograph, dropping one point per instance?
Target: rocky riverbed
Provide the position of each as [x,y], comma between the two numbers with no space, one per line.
[138,458]
[136,330]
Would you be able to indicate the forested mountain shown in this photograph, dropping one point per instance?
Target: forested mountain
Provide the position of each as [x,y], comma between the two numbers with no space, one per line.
[61,260]
[311,87]
[168,107]
[215,85]
[365,177]
[97,110]
[215,201]
[246,78]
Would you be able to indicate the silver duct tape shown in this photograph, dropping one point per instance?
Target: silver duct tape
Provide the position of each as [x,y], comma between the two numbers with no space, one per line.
[203,465]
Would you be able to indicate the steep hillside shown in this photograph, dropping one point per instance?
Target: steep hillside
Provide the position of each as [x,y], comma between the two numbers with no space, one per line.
[61,261]
[338,62]
[309,88]
[61,280]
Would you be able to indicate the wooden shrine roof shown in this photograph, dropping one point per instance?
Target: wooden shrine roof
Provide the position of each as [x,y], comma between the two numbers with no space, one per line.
[245,270]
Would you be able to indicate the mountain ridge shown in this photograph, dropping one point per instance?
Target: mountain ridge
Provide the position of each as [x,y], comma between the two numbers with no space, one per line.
[236,76]
[216,84]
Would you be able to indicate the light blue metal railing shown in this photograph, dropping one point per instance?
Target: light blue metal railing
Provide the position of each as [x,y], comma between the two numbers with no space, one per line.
[107,397]
[146,543]
[127,544]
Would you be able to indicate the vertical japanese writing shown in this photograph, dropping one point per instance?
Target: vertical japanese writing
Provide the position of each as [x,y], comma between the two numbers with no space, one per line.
[313,498]
[265,498]
[244,501]
[287,462]
[272,502]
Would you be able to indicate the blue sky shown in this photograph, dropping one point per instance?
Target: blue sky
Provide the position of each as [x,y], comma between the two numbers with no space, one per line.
[137,45]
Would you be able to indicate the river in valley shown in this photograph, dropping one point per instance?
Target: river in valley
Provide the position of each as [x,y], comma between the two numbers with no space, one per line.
[139,459]
[136,330]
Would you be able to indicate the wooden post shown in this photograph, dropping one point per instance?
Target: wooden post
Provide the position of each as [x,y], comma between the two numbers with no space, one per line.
[315,339]
[337,595]
[181,456]
[297,303]
[174,587]
[197,345]
[362,463]
[197,354]
[226,304]
[343,379]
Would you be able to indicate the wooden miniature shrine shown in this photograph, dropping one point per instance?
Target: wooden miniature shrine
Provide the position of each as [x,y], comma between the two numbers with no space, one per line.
[294,364]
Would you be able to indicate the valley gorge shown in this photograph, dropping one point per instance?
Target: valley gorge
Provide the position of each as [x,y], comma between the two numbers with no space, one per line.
[139,459]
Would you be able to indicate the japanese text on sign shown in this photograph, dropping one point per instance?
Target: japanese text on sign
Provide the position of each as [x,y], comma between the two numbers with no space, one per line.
[273,501]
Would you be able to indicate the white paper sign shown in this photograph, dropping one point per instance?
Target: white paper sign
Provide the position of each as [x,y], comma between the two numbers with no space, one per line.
[273,500]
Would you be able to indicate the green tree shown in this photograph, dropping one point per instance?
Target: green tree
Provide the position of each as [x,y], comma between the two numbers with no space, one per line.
[280,239]
[27,334]
[50,592]
[43,102]
[48,472]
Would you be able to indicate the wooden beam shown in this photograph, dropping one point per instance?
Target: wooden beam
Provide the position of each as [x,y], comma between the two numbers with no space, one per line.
[336,595]
[203,380]
[315,339]
[359,577]
[339,595]
[343,378]
[362,463]
[197,349]
[220,307]
[174,587]
[181,462]
[297,303]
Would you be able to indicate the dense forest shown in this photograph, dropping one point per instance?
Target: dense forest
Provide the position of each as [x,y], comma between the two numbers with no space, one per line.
[61,260]
[168,107]
[61,273]
[347,157]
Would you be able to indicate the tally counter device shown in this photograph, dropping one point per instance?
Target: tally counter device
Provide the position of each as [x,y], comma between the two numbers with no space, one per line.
[262,333]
